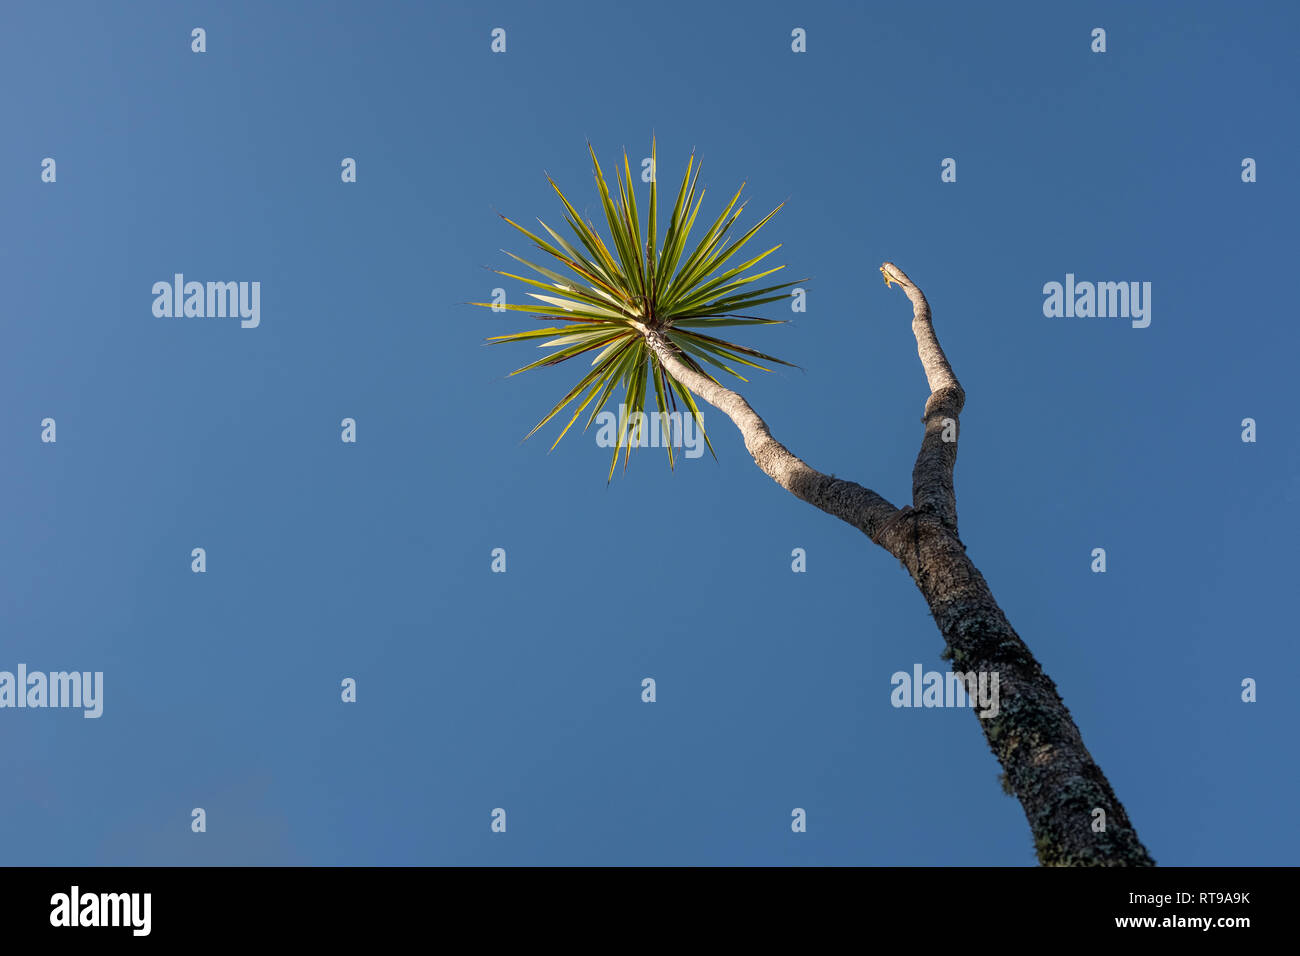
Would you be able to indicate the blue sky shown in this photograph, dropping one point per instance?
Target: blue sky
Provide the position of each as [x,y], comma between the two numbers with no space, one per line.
[521,690]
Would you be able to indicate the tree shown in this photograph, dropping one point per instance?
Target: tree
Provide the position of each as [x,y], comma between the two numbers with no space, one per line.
[644,306]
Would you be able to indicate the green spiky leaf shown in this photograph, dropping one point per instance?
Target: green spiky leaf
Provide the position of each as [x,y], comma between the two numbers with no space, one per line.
[611,294]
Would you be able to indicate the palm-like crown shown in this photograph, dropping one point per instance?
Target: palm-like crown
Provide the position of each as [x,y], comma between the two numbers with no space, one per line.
[611,302]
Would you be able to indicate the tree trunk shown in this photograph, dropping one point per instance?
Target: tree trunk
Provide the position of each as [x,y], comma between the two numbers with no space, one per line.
[1046,764]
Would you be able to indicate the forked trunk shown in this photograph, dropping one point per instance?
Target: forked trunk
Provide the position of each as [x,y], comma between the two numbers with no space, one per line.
[1046,764]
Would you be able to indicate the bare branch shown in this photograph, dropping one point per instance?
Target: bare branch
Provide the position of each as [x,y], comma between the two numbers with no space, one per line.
[932,482]
[846,500]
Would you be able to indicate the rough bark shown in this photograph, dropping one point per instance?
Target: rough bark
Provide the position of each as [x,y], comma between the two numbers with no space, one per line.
[1042,753]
